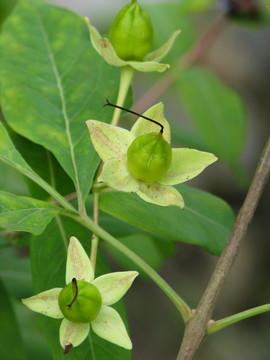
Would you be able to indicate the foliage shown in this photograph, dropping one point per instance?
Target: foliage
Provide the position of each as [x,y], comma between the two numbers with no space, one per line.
[52,81]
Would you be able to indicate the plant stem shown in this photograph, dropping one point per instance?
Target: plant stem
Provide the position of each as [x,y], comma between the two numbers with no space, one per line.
[180,304]
[197,325]
[167,80]
[215,326]
[126,77]
[94,243]
[50,190]
[62,231]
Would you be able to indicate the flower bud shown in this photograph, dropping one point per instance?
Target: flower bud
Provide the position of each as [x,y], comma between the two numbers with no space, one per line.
[131,33]
[149,157]
[86,305]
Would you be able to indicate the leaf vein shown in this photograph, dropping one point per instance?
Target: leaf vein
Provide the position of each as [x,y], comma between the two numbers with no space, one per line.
[64,109]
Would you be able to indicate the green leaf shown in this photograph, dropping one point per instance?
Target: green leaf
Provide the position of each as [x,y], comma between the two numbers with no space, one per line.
[114,226]
[52,82]
[154,252]
[6,6]
[206,220]
[52,244]
[25,214]
[10,156]
[4,243]
[45,165]
[15,272]
[13,181]
[11,346]
[216,111]
[35,343]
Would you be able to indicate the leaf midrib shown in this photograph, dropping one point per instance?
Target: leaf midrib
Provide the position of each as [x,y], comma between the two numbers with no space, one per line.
[62,98]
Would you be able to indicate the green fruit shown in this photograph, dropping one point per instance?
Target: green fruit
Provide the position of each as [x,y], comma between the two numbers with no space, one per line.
[149,157]
[131,33]
[86,306]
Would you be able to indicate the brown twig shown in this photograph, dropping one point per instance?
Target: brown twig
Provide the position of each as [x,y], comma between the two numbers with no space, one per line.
[204,41]
[196,328]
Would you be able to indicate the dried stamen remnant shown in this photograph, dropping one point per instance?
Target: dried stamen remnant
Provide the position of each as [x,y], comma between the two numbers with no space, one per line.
[134,113]
[74,283]
[68,348]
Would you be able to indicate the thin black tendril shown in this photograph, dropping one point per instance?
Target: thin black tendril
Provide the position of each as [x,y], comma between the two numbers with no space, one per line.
[133,112]
[74,283]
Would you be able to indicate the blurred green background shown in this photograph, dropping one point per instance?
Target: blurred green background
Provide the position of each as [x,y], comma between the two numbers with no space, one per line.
[239,56]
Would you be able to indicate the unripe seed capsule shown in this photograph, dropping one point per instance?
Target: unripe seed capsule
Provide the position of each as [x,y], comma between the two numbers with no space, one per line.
[86,305]
[149,157]
[131,33]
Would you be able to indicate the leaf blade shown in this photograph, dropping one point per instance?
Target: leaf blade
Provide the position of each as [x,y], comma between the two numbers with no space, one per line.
[54,84]
[206,220]
[9,330]
[21,213]
[10,156]
[216,111]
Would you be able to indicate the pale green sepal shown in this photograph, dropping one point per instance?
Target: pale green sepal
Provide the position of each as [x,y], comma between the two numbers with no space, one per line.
[160,195]
[78,263]
[95,36]
[161,52]
[148,66]
[115,174]
[114,285]
[110,142]
[45,303]
[186,164]
[71,333]
[142,126]
[109,326]
[105,49]
[108,53]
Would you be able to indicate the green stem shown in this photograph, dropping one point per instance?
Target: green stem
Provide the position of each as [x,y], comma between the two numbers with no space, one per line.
[55,194]
[62,231]
[50,190]
[180,304]
[94,243]
[126,77]
[214,326]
